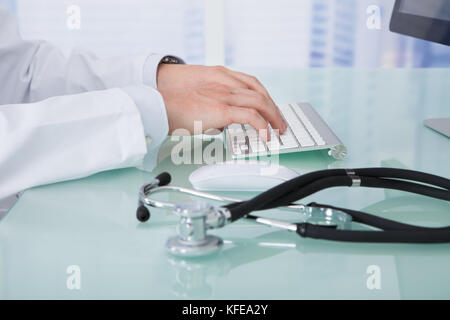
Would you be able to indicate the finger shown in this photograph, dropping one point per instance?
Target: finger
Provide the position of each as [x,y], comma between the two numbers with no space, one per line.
[248,116]
[254,84]
[222,75]
[245,98]
[215,90]
[252,99]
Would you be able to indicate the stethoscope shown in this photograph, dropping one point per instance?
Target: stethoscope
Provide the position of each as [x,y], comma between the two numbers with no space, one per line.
[320,221]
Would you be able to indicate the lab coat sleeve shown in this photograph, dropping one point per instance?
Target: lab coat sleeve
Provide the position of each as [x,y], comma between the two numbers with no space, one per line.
[32,71]
[68,137]
[154,118]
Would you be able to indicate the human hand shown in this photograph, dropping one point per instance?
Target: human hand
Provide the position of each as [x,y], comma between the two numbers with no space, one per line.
[216,96]
[217,106]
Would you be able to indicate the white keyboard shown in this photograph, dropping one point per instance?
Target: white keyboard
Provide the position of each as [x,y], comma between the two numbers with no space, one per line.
[306,131]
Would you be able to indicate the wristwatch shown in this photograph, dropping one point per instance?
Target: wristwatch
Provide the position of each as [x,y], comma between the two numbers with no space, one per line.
[171,60]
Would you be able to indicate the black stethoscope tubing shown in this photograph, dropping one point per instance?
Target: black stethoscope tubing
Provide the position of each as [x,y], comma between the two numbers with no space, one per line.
[389,178]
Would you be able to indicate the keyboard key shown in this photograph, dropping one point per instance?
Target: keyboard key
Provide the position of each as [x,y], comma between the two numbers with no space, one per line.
[274,144]
[235,126]
[251,132]
[257,145]
[297,127]
[274,134]
[236,133]
[288,140]
[255,141]
[306,142]
[308,125]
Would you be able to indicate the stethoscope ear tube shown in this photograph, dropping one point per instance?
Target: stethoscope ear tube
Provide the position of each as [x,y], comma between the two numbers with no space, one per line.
[438,235]
[306,185]
[369,182]
[390,231]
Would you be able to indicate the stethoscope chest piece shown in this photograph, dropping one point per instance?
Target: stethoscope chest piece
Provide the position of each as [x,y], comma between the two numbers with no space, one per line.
[192,239]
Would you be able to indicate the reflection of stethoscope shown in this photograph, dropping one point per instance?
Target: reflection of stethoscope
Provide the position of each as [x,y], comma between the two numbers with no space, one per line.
[321,221]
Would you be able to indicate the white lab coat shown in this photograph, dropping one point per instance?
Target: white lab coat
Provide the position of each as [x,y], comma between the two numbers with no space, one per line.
[64,118]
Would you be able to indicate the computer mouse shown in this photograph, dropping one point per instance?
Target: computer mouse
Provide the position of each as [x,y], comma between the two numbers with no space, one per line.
[240,176]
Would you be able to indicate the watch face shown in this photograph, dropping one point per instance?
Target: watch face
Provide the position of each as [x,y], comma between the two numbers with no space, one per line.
[171,60]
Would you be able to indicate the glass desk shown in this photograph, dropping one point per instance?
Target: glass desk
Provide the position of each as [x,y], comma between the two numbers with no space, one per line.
[90,223]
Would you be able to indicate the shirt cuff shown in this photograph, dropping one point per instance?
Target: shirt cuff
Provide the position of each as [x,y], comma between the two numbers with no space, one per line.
[151,67]
[153,112]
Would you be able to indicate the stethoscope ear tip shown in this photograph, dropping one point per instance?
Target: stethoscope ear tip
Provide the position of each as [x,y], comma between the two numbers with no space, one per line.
[164,179]
[142,213]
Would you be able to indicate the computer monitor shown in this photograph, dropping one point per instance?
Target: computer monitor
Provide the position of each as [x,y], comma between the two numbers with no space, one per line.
[424,19]
[428,20]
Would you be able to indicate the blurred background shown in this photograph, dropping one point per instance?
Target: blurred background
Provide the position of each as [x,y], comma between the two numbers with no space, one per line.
[236,33]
